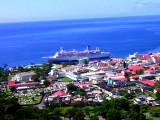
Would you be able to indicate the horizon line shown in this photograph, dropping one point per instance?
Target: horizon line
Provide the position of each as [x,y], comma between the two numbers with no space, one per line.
[69,19]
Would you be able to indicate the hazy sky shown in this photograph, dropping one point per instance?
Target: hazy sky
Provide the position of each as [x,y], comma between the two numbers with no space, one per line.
[39,10]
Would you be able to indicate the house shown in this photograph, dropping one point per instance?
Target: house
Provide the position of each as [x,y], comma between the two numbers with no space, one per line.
[27,85]
[149,82]
[135,77]
[23,76]
[68,69]
[156,59]
[73,76]
[155,90]
[154,66]
[147,76]
[149,71]
[60,93]
[149,100]
[135,67]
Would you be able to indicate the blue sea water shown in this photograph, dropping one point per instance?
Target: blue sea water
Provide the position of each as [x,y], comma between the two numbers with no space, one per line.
[27,42]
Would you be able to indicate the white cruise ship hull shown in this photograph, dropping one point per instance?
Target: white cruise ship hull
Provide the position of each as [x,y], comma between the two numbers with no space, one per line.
[77,57]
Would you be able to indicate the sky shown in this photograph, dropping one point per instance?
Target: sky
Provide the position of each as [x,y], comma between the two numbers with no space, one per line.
[42,10]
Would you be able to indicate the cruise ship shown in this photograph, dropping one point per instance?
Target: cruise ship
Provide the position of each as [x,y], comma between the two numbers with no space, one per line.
[76,55]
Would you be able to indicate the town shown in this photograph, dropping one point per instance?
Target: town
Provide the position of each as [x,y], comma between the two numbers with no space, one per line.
[135,78]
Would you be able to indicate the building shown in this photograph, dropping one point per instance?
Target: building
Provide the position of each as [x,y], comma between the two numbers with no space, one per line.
[73,76]
[23,76]
[26,85]
[84,61]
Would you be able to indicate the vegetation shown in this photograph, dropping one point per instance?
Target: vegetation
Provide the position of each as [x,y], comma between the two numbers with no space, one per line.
[74,90]
[67,63]
[158,94]
[4,73]
[140,72]
[65,79]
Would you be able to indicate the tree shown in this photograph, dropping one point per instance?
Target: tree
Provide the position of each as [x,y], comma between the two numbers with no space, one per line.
[139,72]
[113,114]
[81,92]
[157,85]
[128,95]
[135,108]
[135,116]
[9,107]
[13,89]
[5,65]
[30,113]
[79,115]
[35,78]
[158,94]
[127,76]
[71,87]
[46,83]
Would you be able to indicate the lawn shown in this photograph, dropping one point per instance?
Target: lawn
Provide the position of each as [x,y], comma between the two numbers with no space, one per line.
[65,79]
[153,118]
[151,94]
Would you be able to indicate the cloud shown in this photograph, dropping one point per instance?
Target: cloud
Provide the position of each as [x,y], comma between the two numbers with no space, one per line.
[139,5]
[148,4]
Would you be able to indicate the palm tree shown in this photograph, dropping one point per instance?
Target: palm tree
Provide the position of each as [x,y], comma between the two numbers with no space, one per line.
[5,65]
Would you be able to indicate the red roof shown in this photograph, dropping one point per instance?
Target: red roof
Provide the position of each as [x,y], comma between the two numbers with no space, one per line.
[145,54]
[150,82]
[83,69]
[83,85]
[133,72]
[149,70]
[136,76]
[95,61]
[12,83]
[135,67]
[154,66]
[145,57]
[120,74]
[102,65]
[157,58]
[121,78]
[60,93]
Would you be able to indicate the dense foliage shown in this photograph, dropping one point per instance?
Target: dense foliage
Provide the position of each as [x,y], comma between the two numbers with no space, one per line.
[114,109]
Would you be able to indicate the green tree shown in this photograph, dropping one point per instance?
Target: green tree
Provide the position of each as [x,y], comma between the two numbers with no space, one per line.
[13,89]
[158,94]
[79,115]
[113,114]
[135,108]
[81,92]
[8,107]
[71,87]
[127,76]
[139,72]
[157,85]
[46,83]
[35,78]
[132,115]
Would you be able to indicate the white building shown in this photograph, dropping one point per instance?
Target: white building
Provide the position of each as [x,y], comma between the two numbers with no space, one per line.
[23,76]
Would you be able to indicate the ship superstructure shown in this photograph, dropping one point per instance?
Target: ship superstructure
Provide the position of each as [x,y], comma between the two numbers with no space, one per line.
[76,55]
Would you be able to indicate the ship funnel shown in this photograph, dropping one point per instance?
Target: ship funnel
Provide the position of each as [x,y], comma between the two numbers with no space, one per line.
[61,49]
[88,47]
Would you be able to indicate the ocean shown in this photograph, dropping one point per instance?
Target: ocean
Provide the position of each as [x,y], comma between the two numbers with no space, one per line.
[27,42]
